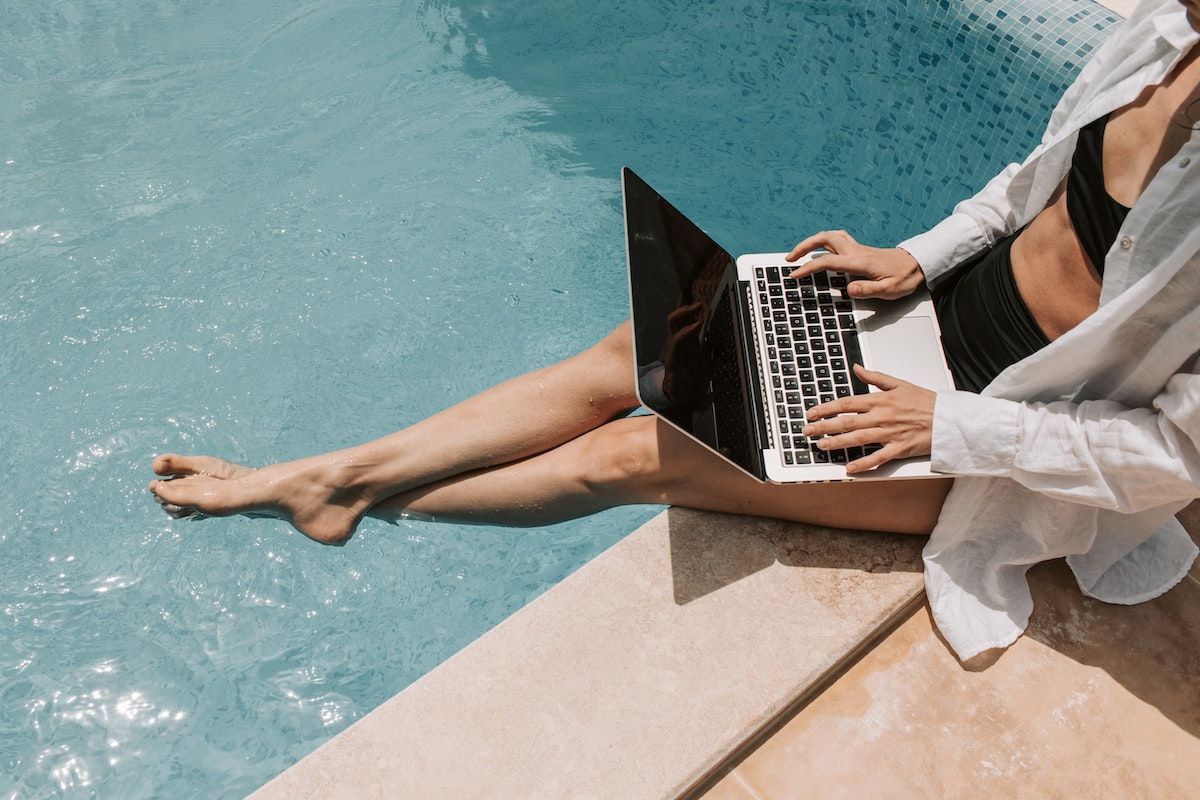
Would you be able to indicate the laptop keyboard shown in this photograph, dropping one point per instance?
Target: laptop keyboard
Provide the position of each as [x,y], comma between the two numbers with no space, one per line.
[811,344]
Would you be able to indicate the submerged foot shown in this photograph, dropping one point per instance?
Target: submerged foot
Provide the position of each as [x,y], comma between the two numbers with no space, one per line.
[305,493]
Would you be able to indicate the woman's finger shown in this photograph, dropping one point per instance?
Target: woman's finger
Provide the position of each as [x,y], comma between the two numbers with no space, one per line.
[874,460]
[851,404]
[855,438]
[882,380]
[865,288]
[839,424]
[825,239]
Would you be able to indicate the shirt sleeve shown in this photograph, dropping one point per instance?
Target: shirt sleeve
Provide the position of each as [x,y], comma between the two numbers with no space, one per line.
[1097,452]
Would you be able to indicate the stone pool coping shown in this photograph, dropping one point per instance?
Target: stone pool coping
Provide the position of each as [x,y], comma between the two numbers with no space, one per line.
[637,676]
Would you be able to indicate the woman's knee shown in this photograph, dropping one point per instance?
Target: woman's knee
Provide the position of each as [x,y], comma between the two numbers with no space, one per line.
[623,457]
[617,345]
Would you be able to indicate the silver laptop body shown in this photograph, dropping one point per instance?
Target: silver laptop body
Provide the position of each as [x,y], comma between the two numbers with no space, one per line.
[733,353]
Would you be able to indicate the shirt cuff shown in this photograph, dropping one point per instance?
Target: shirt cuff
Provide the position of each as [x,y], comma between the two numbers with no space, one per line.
[974,435]
[945,245]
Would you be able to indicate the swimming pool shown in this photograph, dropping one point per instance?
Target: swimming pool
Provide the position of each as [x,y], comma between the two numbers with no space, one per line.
[263,229]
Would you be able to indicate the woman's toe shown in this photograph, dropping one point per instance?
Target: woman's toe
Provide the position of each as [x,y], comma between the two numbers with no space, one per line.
[175,464]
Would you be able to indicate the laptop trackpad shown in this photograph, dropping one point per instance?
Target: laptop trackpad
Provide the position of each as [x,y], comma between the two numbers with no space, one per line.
[907,348]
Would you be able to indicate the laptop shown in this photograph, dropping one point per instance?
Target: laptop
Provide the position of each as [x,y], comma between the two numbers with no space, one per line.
[733,353]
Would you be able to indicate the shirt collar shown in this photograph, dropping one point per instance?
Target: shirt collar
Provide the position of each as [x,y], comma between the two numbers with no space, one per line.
[1173,26]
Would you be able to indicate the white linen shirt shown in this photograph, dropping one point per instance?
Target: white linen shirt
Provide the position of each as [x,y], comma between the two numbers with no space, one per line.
[1087,448]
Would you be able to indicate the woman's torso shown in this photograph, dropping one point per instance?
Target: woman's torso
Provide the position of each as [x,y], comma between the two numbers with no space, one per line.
[1053,274]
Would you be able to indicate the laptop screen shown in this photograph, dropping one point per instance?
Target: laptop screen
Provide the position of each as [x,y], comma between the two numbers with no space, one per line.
[682,286]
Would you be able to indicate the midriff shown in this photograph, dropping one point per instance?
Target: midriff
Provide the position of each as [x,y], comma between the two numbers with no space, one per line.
[1063,289]
[1050,267]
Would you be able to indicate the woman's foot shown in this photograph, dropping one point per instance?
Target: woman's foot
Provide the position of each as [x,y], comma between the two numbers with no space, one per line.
[305,493]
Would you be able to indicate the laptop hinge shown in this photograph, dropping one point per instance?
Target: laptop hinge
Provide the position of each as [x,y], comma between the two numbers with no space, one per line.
[760,431]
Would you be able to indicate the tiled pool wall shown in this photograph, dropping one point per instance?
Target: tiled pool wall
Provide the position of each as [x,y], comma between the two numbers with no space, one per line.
[1015,59]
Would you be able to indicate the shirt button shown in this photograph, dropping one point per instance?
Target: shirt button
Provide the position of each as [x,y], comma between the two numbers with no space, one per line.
[1126,242]
[1183,162]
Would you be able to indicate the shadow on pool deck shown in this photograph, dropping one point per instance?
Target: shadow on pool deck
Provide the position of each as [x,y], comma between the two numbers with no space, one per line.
[702,563]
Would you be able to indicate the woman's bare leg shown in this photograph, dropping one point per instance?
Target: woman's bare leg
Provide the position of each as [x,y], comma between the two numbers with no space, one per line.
[325,496]
[643,460]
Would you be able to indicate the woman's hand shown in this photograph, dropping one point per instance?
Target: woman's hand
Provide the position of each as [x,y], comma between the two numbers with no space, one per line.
[886,273]
[900,418]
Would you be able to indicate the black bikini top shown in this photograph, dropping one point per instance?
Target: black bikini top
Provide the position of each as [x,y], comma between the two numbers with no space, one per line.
[1095,216]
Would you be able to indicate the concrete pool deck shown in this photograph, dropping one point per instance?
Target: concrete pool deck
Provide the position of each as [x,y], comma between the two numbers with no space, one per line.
[637,675]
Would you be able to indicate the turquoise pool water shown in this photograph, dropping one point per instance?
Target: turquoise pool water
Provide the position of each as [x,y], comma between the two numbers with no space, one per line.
[264,229]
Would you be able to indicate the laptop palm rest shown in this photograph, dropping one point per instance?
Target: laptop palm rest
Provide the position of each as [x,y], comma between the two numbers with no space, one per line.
[906,348]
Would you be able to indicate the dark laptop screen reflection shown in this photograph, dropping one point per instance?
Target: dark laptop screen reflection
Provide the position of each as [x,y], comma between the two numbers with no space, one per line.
[678,271]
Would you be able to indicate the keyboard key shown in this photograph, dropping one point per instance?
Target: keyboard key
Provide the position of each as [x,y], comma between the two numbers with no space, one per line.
[788,458]
[793,397]
[807,375]
[838,364]
[826,398]
[789,369]
[772,273]
[832,337]
[779,316]
[777,302]
[854,453]
[807,291]
[846,321]
[776,291]
[801,348]
[778,395]
[776,381]
[842,391]
[820,457]
[829,324]
[838,280]
[814,331]
[785,341]
[821,280]
[834,350]
[812,318]
[797,426]
[804,361]
[839,456]
[790,383]
[820,358]
[803,457]
[822,371]
[770,338]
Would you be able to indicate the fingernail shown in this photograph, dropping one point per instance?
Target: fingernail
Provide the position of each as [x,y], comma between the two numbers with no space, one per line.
[821,443]
[806,430]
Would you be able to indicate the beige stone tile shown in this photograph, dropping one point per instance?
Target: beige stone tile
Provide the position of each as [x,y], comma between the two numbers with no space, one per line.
[731,787]
[632,678]
[1122,7]
[1095,701]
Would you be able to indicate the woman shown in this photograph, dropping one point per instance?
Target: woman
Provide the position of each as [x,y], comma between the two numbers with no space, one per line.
[1067,294]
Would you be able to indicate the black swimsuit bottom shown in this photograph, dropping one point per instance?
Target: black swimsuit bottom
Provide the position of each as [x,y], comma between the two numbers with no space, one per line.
[986,326]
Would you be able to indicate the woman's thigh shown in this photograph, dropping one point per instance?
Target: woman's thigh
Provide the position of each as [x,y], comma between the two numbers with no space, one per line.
[676,470]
